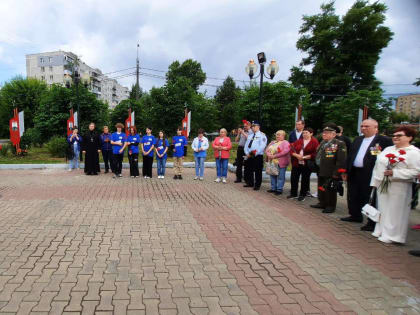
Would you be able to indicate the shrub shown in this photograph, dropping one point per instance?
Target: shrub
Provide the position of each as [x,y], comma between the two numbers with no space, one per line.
[31,137]
[5,147]
[57,146]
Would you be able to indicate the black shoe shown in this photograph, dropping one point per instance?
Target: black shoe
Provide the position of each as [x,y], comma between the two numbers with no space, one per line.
[278,193]
[271,191]
[301,198]
[256,188]
[238,181]
[414,253]
[179,176]
[175,176]
[247,185]
[352,219]
[368,228]
[317,206]
[95,174]
[328,210]
[291,197]
[106,171]
[89,174]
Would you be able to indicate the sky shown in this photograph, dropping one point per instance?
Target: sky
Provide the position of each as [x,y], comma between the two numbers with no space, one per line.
[220,34]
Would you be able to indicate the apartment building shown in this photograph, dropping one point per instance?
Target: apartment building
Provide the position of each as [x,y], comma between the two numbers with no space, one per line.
[56,68]
[409,104]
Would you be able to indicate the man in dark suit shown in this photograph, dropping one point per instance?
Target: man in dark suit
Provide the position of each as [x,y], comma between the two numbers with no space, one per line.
[297,133]
[361,161]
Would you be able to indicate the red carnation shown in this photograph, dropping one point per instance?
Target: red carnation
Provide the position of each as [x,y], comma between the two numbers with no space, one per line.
[278,149]
[341,170]
[401,159]
[392,161]
[254,152]
[402,152]
[390,156]
[321,188]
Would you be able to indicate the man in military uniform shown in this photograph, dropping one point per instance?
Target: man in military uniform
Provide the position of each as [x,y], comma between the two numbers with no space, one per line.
[254,152]
[331,159]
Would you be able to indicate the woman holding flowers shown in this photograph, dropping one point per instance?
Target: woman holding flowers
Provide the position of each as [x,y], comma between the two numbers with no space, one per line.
[278,153]
[393,175]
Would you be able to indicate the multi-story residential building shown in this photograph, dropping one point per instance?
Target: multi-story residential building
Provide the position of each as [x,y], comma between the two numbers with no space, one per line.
[56,68]
[409,104]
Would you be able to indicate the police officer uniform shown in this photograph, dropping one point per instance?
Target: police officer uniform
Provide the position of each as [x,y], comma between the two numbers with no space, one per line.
[254,151]
[331,156]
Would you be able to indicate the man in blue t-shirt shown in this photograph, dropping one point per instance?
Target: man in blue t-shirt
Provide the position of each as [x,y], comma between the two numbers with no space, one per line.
[147,146]
[118,141]
[179,143]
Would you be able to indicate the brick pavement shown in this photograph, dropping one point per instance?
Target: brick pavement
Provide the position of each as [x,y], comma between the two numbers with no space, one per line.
[73,244]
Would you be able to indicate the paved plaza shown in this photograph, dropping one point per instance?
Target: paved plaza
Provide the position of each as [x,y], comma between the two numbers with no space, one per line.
[75,244]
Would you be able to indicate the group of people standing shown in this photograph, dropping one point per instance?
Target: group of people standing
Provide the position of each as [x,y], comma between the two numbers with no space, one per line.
[365,165]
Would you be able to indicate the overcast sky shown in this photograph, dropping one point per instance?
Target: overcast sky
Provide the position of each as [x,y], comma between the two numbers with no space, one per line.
[221,34]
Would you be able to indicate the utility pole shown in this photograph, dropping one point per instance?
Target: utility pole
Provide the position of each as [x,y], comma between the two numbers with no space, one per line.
[137,74]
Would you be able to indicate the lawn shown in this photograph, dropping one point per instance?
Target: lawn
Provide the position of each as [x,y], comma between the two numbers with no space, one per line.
[42,156]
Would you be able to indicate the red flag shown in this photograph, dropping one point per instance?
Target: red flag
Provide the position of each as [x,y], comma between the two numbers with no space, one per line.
[70,123]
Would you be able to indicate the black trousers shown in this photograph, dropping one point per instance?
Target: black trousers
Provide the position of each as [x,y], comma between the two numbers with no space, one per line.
[327,198]
[133,159]
[239,162]
[358,192]
[297,172]
[256,165]
[147,165]
[118,158]
[108,159]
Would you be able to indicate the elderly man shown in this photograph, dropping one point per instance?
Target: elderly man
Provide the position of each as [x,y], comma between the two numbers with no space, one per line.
[241,139]
[331,158]
[254,151]
[297,133]
[360,164]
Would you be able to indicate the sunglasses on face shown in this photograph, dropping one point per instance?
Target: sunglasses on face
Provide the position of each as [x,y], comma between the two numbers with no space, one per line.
[398,136]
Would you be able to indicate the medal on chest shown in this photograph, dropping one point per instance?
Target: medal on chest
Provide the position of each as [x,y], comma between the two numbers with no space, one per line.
[375,150]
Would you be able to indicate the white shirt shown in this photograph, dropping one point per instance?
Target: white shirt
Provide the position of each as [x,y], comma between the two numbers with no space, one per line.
[358,161]
[298,134]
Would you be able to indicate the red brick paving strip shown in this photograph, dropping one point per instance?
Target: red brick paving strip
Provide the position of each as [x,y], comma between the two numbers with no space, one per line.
[273,282]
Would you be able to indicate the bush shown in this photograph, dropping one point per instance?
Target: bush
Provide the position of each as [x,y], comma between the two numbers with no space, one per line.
[57,146]
[31,137]
[5,147]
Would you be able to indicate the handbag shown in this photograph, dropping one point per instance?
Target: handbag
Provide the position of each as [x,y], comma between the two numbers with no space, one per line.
[271,169]
[370,211]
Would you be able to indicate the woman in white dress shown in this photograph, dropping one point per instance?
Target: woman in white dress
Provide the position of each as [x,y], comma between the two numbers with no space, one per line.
[401,163]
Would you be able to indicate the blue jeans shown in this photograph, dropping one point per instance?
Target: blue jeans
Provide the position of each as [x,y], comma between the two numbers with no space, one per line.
[74,162]
[199,166]
[161,166]
[277,182]
[222,167]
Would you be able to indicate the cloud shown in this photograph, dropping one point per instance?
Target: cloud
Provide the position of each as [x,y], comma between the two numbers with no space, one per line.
[221,34]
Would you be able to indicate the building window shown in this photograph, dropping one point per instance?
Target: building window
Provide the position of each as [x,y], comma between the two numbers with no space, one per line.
[41,60]
[42,69]
[43,77]
[49,59]
[51,69]
[51,77]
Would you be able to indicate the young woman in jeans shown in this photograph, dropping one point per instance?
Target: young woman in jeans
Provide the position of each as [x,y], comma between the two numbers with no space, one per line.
[222,146]
[161,149]
[278,153]
[74,140]
[200,146]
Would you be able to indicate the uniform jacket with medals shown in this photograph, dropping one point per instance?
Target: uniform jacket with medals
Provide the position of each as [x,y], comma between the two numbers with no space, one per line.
[332,157]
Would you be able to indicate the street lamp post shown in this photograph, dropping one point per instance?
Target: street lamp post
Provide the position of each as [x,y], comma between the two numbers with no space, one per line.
[251,70]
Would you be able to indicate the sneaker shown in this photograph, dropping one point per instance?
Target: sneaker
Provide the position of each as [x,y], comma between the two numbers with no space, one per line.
[175,176]
[144,176]
[301,198]
[201,178]
[132,176]
[114,176]
[195,178]
[119,175]
[224,180]
[69,170]
[308,194]
[162,177]
[135,176]
[179,176]
[217,180]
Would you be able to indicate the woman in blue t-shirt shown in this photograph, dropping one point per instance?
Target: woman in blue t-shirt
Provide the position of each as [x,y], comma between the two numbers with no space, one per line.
[179,142]
[200,145]
[147,145]
[118,141]
[161,149]
[132,142]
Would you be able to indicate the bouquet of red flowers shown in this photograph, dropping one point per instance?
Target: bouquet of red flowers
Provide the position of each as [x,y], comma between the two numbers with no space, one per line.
[393,160]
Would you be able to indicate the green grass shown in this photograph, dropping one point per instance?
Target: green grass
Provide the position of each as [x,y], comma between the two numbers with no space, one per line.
[42,156]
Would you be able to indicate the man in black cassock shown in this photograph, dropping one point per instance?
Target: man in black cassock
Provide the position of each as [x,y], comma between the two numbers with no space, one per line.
[91,147]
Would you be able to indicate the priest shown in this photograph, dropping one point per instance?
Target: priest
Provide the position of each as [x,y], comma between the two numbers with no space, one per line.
[91,148]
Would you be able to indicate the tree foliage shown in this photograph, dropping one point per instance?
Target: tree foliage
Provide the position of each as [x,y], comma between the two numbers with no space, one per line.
[227,101]
[341,53]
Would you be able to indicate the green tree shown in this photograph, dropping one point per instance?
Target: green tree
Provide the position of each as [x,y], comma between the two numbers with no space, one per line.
[226,99]
[136,92]
[344,110]
[190,71]
[278,108]
[341,53]
[397,118]
[25,94]
[120,113]
[417,83]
